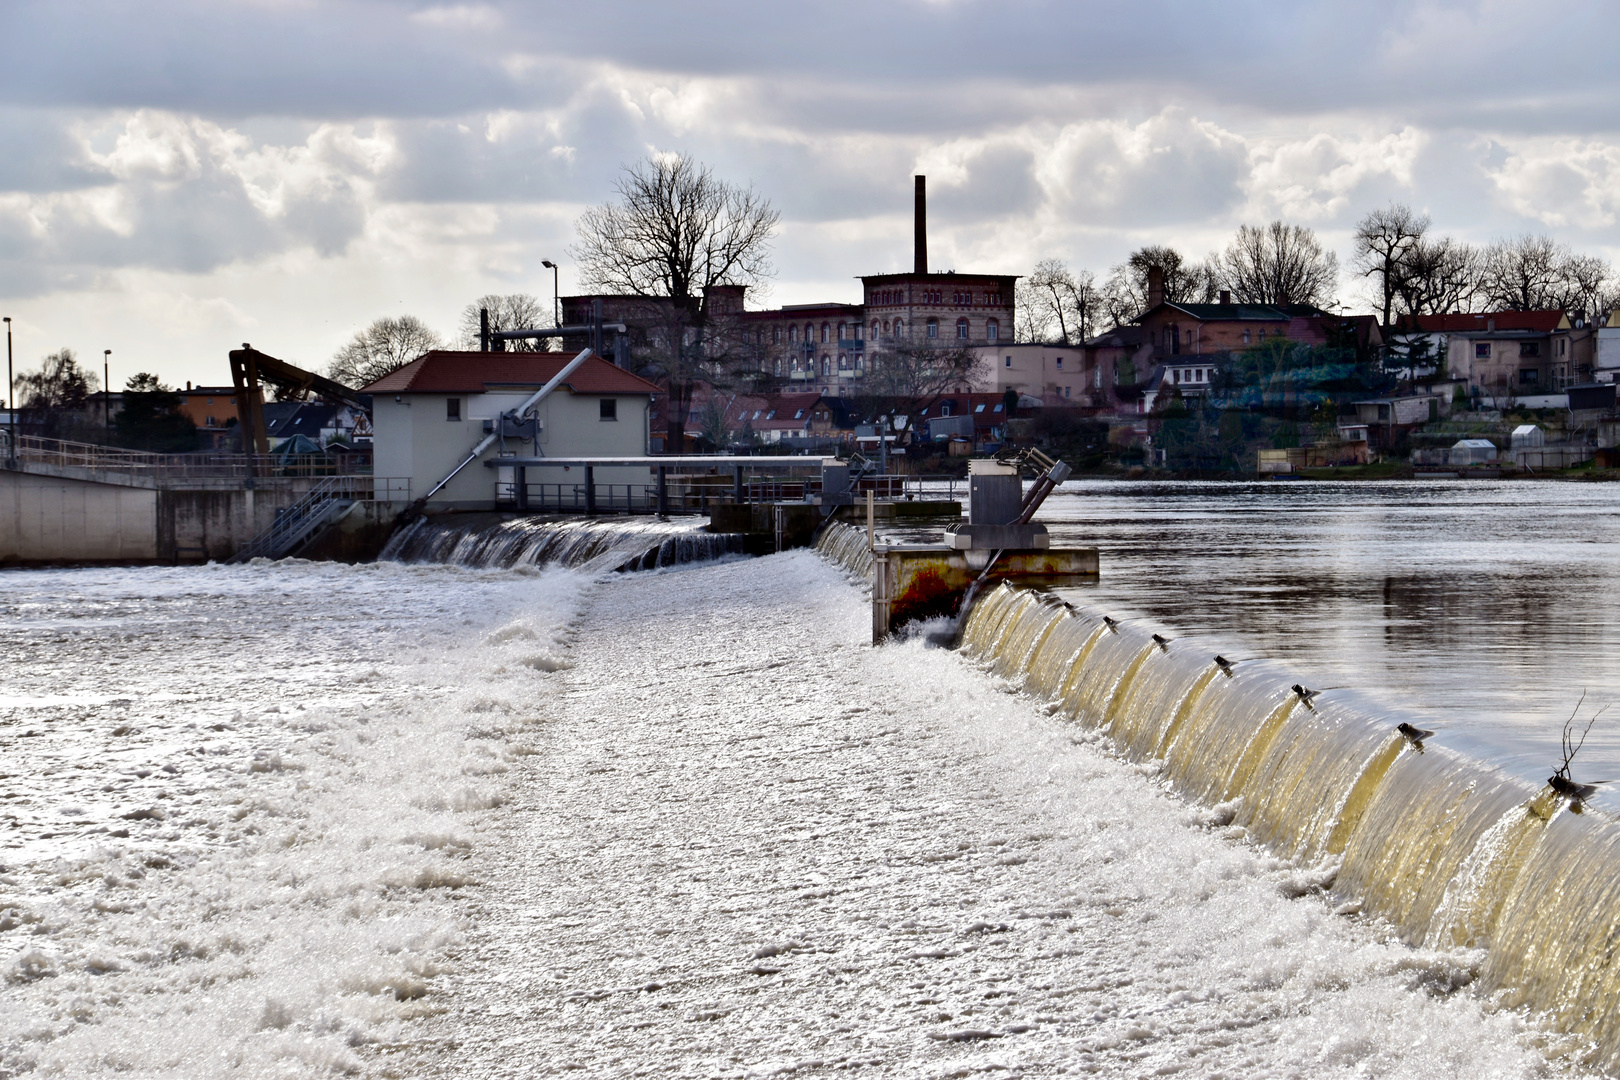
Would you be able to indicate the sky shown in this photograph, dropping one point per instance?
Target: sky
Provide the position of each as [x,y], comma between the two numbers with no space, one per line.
[177,178]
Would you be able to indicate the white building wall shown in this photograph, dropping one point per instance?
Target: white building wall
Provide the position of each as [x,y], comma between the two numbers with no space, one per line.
[1034,369]
[414,438]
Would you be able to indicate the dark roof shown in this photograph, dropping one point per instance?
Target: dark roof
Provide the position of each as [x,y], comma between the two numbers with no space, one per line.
[212,391]
[1241,312]
[445,372]
[305,419]
[1120,337]
[1541,322]
[939,278]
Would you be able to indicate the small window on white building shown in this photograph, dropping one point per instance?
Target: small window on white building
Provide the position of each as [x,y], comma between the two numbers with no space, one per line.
[1482,350]
[610,408]
[452,408]
[1009,362]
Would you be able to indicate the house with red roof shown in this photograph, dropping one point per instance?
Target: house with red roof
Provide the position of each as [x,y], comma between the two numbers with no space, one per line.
[430,414]
[1503,354]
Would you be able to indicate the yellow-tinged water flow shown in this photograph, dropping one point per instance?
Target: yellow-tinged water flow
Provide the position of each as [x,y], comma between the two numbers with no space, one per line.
[1452,852]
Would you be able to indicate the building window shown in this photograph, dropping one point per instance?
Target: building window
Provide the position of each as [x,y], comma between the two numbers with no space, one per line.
[776,335]
[1482,350]
[1245,337]
[793,334]
[992,331]
[1529,348]
[609,408]
[1527,375]
[1065,391]
[1009,362]
[945,409]
[979,407]
[809,332]
[933,328]
[452,408]
[874,329]
[897,328]
[826,364]
[961,329]
[824,333]
[1060,363]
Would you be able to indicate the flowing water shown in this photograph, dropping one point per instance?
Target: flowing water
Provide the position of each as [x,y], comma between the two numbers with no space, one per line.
[1482,611]
[578,543]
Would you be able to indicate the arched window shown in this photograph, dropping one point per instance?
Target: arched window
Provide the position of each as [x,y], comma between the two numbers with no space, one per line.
[776,366]
[826,365]
[897,328]
[843,332]
[992,331]
[792,334]
[961,329]
[809,332]
[843,361]
[824,333]
[874,329]
[933,328]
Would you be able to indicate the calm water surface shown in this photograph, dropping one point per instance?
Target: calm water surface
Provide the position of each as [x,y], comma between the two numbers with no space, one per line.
[1486,606]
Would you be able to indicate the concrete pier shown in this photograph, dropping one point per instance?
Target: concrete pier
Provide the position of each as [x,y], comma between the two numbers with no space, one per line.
[923,581]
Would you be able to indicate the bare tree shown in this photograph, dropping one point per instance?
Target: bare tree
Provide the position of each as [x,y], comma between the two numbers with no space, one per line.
[60,383]
[1524,273]
[386,345]
[1439,277]
[1125,294]
[1385,241]
[676,230]
[1279,264]
[920,370]
[1056,305]
[514,311]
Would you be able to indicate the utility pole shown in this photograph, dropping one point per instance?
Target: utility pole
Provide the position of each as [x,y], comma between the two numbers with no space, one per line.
[106,394]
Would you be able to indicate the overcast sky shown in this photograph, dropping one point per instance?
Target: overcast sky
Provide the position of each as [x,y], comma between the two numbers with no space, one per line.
[177,178]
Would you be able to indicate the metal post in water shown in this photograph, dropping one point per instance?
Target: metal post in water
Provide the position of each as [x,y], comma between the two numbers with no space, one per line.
[590,490]
[521,476]
[871,529]
[737,485]
[663,491]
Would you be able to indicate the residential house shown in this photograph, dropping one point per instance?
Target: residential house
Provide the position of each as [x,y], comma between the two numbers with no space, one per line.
[1055,374]
[1508,354]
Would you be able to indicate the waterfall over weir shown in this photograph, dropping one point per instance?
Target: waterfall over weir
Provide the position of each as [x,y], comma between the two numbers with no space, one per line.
[584,543]
[1451,852]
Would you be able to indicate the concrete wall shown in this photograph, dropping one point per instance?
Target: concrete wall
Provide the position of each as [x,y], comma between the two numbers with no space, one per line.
[414,438]
[53,519]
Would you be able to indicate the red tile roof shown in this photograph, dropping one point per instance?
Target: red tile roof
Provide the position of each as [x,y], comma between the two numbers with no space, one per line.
[1543,322]
[444,372]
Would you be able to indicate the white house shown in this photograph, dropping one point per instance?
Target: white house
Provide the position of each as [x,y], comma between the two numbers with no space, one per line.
[430,414]
[1056,374]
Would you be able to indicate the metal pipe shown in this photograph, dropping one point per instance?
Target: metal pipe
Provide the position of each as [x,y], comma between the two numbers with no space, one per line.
[528,403]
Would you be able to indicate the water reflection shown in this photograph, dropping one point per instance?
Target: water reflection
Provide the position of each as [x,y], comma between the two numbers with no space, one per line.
[1486,605]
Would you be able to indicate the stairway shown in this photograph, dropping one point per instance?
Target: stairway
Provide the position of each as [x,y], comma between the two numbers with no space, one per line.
[324,503]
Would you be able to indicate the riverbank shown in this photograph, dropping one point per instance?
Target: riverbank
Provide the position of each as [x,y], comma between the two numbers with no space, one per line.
[749,844]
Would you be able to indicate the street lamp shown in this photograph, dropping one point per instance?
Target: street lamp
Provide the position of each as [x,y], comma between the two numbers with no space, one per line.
[556,305]
[106,393]
[11,402]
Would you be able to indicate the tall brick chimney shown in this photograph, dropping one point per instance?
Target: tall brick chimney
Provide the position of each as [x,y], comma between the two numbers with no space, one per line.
[1155,286]
[920,244]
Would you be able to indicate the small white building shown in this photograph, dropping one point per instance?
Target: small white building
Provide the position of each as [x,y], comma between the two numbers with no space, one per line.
[430,414]
[1528,435]
[1473,452]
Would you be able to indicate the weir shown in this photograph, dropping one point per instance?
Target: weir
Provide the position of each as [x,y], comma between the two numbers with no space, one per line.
[1453,853]
[494,541]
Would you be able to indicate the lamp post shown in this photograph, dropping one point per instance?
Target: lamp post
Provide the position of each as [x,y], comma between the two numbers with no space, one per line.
[556,303]
[11,402]
[106,394]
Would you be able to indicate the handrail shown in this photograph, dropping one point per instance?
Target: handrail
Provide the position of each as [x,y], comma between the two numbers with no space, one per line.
[64,453]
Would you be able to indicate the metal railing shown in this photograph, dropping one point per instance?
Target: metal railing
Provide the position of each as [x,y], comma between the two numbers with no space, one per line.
[172,468]
[698,498]
[299,522]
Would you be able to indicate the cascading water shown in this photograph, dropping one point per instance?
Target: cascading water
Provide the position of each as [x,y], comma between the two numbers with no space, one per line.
[846,546]
[1453,853]
[586,543]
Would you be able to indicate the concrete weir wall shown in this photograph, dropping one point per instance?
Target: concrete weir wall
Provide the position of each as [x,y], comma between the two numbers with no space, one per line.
[50,520]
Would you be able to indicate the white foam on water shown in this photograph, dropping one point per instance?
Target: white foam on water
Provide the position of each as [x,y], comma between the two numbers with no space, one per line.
[248,864]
